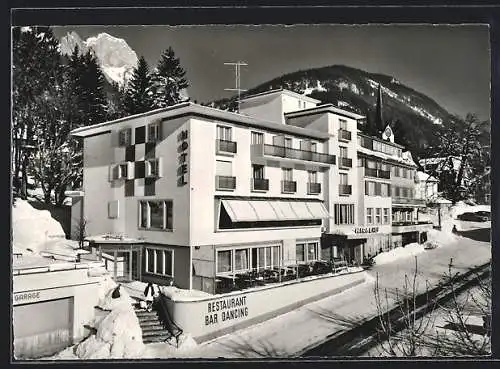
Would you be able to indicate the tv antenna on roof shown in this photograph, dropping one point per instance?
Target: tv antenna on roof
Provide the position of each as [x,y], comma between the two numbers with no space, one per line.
[237,66]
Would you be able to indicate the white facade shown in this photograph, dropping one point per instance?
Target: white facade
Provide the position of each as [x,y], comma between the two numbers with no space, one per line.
[283,183]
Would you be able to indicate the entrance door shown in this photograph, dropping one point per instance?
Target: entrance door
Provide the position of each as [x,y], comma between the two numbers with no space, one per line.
[127,265]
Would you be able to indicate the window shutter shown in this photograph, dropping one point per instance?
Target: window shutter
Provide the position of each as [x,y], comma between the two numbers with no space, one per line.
[130,170]
[113,209]
[160,167]
[366,188]
[111,171]
[116,172]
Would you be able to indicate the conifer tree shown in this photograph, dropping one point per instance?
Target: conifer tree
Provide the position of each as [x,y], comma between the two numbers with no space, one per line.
[138,94]
[168,80]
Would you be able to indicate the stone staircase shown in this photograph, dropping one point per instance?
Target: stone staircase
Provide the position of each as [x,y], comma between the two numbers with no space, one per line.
[152,329]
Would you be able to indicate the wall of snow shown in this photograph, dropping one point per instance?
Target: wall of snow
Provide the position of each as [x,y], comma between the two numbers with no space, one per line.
[32,228]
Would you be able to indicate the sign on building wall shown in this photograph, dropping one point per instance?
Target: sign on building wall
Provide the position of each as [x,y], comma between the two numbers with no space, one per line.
[226,309]
[366,230]
[182,168]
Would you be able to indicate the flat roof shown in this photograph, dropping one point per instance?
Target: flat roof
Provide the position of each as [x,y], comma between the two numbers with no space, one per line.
[281,90]
[196,110]
[325,108]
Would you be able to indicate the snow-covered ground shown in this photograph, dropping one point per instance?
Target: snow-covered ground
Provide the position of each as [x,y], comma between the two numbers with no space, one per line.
[288,334]
[36,232]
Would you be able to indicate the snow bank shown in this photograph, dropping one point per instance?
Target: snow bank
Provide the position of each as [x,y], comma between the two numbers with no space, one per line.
[411,249]
[119,334]
[175,293]
[32,228]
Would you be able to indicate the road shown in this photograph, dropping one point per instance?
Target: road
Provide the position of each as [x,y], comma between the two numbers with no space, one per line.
[290,334]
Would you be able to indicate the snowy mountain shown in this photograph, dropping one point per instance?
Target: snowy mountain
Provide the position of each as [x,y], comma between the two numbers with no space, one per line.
[414,116]
[116,58]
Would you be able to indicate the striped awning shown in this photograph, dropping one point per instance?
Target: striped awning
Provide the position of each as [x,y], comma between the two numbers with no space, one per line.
[273,210]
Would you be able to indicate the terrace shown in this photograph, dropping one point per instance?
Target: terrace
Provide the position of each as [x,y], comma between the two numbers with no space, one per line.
[276,275]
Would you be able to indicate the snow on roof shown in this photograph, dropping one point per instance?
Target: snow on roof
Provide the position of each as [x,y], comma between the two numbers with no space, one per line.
[281,91]
[189,108]
[424,177]
[106,238]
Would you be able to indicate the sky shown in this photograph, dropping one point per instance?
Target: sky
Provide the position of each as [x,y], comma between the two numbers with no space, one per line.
[450,64]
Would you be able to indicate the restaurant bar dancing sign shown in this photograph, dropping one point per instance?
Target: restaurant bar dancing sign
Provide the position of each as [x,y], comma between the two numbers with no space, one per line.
[226,309]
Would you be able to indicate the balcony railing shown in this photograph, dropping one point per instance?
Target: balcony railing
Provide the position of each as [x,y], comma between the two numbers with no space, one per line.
[345,189]
[345,162]
[287,152]
[260,184]
[314,188]
[288,186]
[378,173]
[226,146]
[225,183]
[405,223]
[344,135]
[407,200]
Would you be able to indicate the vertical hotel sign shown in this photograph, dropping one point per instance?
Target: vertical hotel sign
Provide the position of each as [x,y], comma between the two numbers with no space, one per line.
[182,162]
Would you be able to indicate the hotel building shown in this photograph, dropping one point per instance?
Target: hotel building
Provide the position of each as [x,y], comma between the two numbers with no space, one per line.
[196,195]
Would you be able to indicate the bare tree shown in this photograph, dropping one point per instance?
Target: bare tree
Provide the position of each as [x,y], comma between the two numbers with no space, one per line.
[401,331]
[412,329]
[81,231]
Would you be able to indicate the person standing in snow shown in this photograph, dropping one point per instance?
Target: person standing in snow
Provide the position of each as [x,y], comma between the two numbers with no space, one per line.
[149,294]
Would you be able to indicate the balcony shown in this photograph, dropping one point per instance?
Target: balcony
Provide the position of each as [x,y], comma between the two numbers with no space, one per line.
[226,147]
[345,162]
[313,188]
[398,200]
[263,152]
[344,135]
[225,183]
[404,227]
[260,184]
[345,189]
[288,186]
[377,173]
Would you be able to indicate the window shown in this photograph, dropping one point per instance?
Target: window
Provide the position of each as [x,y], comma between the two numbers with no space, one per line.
[369,188]
[396,171]
[257,138]
[276,256]
[287,174]
[224,133]
[224,262]
[378,189]
[159,261]
[300,252]
[258,171]
[369,215]
[288,142]
[153,168]
[300,103]
[314,147]
[241,260]
[343,124]
[343,152]
[404,173]
[313,176]
[154,132]
[344,213]
[343,178]
[386,215]
[156,215]
[125,137]
[312,249]
[378,212]
[384,189]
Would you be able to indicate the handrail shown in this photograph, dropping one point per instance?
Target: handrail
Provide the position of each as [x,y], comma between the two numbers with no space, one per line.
[165,319]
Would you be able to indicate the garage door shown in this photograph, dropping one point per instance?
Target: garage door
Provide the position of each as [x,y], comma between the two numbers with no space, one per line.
[42,329]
